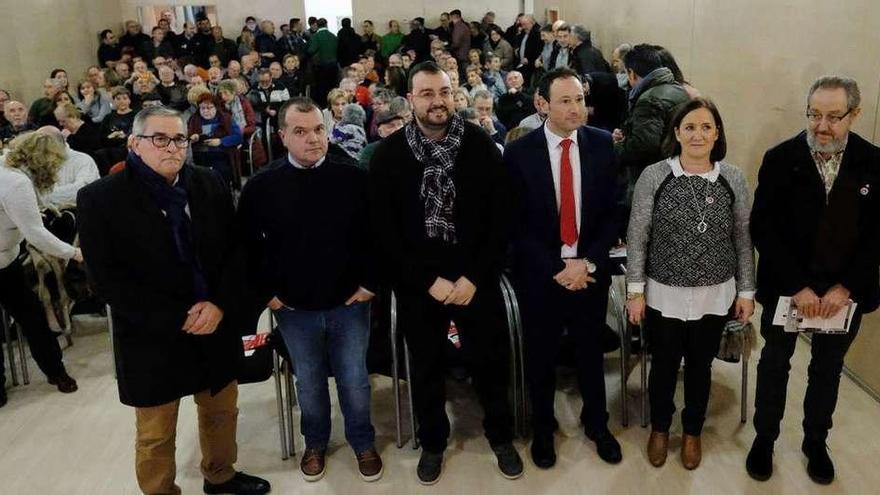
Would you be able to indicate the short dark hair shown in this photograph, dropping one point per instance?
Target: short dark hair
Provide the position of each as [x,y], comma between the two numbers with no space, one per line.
[429,66]
[346,22]
[547,80]
[312,19]
[642,59]
[55,73]
[668,61]
[156,28]
[367,21]
[250,18]
[322,23]
[302,104]
[294,20]
[671,146]
[105,32]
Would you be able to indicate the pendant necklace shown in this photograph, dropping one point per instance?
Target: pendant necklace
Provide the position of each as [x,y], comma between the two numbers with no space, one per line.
[702,226]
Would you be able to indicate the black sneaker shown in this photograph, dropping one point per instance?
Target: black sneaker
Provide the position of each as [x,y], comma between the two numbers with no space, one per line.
[430,467]
[509,462]
[543,452]
[759,463]
[607,446]
[240,484]
[65,383]
[819,465]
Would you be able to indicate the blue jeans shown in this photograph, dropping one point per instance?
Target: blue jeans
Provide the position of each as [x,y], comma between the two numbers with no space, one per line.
[321,342]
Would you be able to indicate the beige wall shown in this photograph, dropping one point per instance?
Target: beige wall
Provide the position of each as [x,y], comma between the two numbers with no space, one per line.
[40,35]
[756,59]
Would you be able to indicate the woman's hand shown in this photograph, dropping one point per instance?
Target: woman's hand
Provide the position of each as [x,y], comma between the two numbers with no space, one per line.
[212,142]
[78,255]
[635,308]
[743,309]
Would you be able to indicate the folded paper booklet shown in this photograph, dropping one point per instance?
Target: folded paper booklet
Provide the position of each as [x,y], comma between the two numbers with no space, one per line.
[788,316]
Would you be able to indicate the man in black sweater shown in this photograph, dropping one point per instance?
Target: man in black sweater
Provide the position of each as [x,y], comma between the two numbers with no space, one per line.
[305,226]
[439,203]
[816,225]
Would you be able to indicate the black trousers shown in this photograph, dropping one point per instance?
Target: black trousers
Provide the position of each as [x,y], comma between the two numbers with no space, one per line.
[326,75]
[546,312]
[670,341]
[20,301]
[823,377]
[485,345]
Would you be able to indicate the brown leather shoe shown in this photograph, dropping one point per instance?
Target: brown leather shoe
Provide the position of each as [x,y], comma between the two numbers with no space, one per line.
[691,451]
[313,464]
[658,446]
[370,465]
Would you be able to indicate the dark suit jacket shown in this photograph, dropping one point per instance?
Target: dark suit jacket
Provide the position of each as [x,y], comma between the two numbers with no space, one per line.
[132,262]
[536,240]
[481,214]
[804,241]
[534,45]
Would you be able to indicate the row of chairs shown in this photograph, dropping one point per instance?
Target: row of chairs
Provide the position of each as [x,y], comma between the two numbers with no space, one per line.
[286,391]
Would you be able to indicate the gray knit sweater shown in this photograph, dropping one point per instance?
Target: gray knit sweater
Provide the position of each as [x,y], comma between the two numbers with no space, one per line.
[663,241]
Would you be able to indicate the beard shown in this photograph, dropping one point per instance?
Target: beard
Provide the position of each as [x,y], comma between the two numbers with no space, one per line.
[433,121]
[834,146]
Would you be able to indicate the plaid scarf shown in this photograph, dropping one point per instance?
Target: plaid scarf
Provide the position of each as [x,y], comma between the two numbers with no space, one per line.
[438,186]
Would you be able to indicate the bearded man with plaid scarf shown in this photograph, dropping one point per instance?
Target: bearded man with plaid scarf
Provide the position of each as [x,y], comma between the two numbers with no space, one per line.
[440,205]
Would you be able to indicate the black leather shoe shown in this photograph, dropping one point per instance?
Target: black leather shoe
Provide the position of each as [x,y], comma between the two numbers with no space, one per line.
[430,467]
[240,484]
[509,462]
[65,383]
[819,465]
[607,447]
[3,398]
[543,451]
[759,463]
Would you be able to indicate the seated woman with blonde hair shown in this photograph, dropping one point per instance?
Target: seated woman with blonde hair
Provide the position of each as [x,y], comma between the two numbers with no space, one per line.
[29,169]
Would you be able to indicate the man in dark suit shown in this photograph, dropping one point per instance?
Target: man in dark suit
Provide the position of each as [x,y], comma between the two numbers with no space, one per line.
[439,204]
[528,46]
[158,239]
[564,180]
[816,225]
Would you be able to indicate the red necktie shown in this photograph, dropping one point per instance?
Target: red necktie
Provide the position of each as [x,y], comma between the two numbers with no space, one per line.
[567,219]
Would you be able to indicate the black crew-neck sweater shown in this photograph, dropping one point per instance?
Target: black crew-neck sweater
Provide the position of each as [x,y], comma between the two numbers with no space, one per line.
[306,233]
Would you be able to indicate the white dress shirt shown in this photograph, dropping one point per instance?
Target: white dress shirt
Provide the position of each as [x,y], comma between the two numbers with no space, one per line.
[554,147]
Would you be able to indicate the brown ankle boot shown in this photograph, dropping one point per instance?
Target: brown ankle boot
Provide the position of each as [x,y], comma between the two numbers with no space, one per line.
[658,446]
[691,451]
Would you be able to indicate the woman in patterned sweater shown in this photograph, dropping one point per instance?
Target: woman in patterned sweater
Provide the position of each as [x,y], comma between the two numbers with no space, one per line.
[690,261]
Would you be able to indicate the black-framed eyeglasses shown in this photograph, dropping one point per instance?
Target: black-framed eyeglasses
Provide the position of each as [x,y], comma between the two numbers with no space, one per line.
[816,117]
[162,141]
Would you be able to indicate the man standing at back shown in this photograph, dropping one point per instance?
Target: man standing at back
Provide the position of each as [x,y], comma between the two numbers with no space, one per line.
[322,50]
[653,98]
[460,43]
[162,257]
[439,206]
[565,223]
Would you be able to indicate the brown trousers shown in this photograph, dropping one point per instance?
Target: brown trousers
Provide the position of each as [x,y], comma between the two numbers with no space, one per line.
[156,432]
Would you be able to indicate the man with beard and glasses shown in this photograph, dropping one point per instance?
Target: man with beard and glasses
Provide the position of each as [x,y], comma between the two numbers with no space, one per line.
[816,225]
[440,208]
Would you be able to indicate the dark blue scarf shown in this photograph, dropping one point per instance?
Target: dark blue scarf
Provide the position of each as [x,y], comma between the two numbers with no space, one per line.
[172,200]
